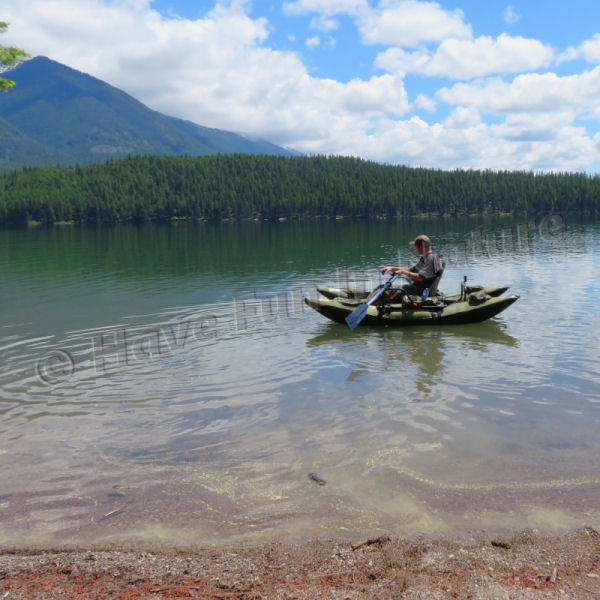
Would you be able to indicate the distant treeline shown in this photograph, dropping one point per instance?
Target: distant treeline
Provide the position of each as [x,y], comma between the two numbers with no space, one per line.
[241,186]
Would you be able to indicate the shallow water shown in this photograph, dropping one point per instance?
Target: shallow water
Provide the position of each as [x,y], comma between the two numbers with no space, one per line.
[166,383]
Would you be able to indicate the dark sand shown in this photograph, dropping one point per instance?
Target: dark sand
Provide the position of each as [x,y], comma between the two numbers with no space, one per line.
[524,565]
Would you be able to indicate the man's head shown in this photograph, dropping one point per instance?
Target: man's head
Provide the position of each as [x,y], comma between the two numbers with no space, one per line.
[422,243]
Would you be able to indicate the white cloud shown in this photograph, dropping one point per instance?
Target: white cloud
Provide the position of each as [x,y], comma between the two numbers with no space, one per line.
[475,58]
[426,103]
[465,59]
[316,41]
[589,50]
[510,15]
[409,23]
[406,23]
[531,93]
[397,60]
[329,7]
[463,117]
[383,95]
[464,142]
[323,24]
[522,128]
[539,113]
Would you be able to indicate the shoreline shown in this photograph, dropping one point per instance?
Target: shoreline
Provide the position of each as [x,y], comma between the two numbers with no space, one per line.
[528,564]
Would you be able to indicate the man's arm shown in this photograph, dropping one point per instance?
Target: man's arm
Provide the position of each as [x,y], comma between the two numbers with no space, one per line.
[403,271]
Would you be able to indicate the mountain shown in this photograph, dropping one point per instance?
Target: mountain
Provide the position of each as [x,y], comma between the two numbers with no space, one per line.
[57,115]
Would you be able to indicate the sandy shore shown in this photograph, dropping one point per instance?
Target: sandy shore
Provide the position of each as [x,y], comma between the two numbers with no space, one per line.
[526,565]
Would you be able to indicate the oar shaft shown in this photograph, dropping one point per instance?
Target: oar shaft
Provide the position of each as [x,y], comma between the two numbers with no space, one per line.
[355,317]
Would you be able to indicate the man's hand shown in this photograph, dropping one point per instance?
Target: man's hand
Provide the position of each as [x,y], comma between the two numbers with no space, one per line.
[389,270]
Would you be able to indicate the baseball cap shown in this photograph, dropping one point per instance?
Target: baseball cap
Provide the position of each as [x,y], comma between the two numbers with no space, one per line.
[421,238]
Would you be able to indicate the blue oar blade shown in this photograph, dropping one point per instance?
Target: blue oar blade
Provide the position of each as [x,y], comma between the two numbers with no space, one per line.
[356,316]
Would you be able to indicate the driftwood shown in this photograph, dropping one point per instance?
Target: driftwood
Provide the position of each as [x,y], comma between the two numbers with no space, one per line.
[382,539]
[113,513]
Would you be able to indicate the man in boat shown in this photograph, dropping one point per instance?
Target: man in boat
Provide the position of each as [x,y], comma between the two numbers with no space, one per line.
[421,275]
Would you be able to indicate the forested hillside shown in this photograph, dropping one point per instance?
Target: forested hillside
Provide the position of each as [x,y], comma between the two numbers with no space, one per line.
[57,115]
[244,186]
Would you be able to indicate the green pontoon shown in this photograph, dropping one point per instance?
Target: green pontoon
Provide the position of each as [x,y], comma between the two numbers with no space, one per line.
[474,303]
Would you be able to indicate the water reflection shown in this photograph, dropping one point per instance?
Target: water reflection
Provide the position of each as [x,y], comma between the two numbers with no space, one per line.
[417,352]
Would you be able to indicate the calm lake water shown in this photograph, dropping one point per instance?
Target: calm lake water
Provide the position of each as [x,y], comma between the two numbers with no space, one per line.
[166,383]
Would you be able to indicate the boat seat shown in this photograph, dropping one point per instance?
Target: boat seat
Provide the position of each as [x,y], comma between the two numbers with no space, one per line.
[433,284]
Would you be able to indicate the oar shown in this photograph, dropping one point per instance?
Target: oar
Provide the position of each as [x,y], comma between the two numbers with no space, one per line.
[356,316]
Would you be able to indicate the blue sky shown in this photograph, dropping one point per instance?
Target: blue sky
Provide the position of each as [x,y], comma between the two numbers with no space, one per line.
[447,84]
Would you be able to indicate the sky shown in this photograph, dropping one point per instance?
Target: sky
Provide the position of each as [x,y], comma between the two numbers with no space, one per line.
[468,84]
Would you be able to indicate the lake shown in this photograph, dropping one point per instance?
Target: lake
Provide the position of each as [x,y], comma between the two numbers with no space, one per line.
[166,383]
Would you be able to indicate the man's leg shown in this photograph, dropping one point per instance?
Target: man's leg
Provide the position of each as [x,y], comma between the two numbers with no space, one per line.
[396,294]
